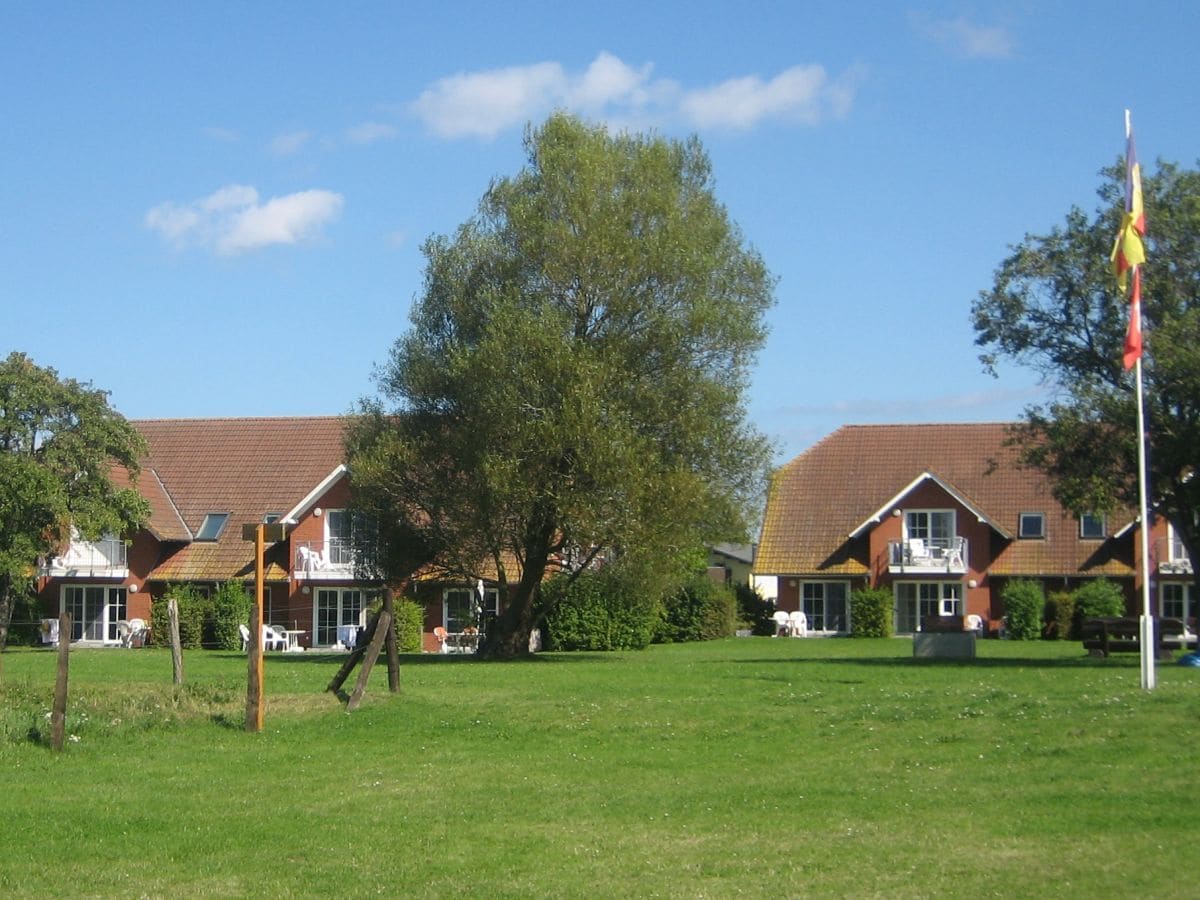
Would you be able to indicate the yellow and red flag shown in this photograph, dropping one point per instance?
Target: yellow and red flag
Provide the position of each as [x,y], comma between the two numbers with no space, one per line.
[1129,252]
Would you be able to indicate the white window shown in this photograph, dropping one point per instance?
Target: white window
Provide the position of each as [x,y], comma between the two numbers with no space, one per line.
[339,551]
[461,607]
[1031,525]
[1177,553]
[824,605]
[1175,601]
[935,527]
[917,600]
[1091,527]
[212,526]
[333,607]
[95,611]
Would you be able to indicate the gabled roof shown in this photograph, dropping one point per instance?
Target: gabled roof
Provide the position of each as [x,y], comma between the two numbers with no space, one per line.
[894,501]
[247,468]
[846,480]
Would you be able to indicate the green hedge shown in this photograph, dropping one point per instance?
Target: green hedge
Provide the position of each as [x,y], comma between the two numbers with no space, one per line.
[1024,601]
[192,611]
[754,612]
[871,612]
[1099,597]
[1060,615]
[410,619]
[597,611]
[213,621]
[701,610]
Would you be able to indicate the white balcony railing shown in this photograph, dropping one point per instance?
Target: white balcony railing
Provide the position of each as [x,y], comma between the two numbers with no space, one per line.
[948,556]
[323,559]
[1172,557]
[105,558]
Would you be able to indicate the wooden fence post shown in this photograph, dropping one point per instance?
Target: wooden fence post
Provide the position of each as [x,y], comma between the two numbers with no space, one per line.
[176,645]
[58,715]
[393,652]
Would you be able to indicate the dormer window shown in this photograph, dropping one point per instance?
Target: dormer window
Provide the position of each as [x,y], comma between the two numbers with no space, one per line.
[1031,525]
[212,526]
[1091,527]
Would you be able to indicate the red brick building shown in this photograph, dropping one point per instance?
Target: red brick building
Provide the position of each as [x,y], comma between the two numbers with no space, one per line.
[942,516]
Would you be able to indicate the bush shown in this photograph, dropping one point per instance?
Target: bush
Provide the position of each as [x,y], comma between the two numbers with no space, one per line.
[596,611]
[228,609]
[702,610]
[192,611]
[753,611]
[1099,597]
[1060,612]
[1024,602]
[410,620]
[871,612]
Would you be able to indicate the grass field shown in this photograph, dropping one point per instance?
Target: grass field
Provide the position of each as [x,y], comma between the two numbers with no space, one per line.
[753,767]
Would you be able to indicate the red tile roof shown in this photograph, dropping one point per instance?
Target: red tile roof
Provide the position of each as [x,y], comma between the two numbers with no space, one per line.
[244,467]
[825,493]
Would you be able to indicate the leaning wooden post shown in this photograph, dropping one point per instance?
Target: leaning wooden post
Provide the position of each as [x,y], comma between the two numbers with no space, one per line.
[176,644]
[393,652]
[381,630]
[254,650]
[335,683]
[58,715]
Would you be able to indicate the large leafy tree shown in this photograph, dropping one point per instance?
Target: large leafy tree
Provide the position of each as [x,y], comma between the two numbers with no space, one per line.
[59,444]
[573,384]
[1055,306]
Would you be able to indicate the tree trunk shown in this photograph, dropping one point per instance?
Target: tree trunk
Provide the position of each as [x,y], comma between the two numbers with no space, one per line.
[6,607]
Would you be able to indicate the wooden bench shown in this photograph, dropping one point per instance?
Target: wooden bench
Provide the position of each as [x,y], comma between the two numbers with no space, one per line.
[1121,634]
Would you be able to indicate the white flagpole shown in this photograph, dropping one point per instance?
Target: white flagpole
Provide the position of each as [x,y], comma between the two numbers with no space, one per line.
[1146,622]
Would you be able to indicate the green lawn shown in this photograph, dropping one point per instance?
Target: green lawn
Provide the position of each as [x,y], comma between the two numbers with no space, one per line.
[752,766]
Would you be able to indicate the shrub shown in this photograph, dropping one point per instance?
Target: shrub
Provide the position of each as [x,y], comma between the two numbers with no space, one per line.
[192,608]
[1099,597]
[753,611]
[228,609]
[1024,602]
[701,610]
[410,619]
[596,611]
[1060,611]
[871,612]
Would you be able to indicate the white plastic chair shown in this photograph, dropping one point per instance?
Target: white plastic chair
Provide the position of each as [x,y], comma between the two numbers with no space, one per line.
[274,638]
[440,634]
[782,623]
[917,549]
[138,633]
[974,623]
[124,633]
[244,630]
[798,622]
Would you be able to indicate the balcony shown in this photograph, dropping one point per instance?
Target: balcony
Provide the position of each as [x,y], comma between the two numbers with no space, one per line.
[1172,557]
[323,560]
[939,556]
[105,558]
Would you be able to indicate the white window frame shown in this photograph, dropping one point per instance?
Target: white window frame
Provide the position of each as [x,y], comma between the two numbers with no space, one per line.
[820,619]
[926,531]
[339,555]
[103,606]
[1184,599]
[947,595]
[1176,552]
[324,633]
[1038,517]
[491,604]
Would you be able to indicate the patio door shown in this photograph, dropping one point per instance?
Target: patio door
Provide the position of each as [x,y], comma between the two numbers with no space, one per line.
[95,611]
[334,607]
[824,605]
[917,600]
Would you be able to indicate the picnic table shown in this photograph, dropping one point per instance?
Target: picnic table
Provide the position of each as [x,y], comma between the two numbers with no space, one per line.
[1104,635]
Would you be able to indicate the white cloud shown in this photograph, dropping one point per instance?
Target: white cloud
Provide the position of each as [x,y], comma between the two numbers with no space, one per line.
[805,93]
[289,143]
[370,133]
[224,135]
[482,104]
[231,220]
[966,39]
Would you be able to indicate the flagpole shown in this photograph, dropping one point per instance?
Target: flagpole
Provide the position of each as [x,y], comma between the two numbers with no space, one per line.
[1146,624]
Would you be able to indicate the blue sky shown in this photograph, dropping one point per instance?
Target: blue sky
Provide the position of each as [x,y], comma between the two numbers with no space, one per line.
[217,208]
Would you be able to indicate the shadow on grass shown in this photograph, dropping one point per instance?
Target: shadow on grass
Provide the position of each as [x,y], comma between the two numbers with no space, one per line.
[1084,662]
